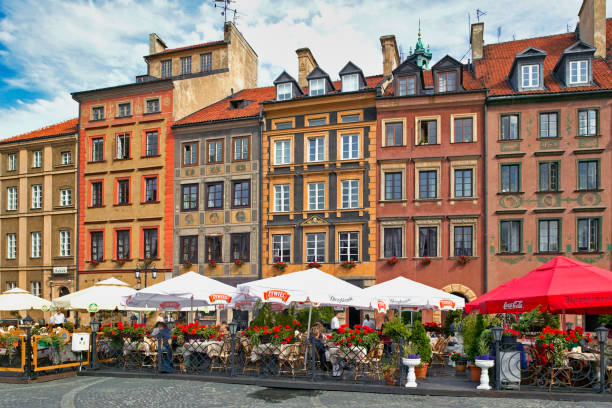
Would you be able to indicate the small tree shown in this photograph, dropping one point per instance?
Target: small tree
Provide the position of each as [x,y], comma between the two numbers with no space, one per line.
[419,339]
[396,329]
[474,346]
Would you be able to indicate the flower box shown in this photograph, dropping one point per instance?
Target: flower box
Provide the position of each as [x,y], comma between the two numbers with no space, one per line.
[238,262]
[392,261]
[212,264]
[348,264]
[280,265]
[314,265]
[187,264]
[426,261]
[463,259]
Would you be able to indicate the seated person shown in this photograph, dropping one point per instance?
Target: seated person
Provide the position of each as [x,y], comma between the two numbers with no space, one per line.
[318,339]
[161,331]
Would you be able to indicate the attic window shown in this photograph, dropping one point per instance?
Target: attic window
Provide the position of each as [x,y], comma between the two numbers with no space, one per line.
[447,82]
[530,76]
[316,87]
[578,72]
[407,86]
[239,103]
[283,91]
[350,83]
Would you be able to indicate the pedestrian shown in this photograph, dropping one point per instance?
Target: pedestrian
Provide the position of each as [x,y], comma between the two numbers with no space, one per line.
[319,346]
[58,319]
[164,334]
[335,322]
[369,323]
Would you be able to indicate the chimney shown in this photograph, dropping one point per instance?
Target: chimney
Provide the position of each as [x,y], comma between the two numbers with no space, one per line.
[390,54]
[306,63]
[156,44]
[592,25]
[477,41]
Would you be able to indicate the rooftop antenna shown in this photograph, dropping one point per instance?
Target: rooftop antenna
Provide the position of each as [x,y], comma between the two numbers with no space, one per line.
[499,31]
[480,13]
[225,6]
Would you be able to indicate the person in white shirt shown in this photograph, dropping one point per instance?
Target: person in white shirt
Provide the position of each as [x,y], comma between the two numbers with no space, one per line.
[335,322]
[369,323]
[58,319]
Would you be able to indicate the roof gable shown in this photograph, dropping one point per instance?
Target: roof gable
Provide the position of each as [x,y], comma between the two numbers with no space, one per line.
[284,77]
[318,73]
[350,69]
[446,62]
[407,67]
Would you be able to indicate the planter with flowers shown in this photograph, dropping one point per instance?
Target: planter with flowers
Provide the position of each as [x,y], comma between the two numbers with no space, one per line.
[509,336]
[212,264]
[194,331]
[459,361]
[392,261]
[94,262]
[426,260]
[279,335]
[433,327]
[120,261]
[551,344]
[280,265]
[484,362]
[187,265]
[390,372]
[420,341]
[463,259]
[412,360]
[238,262]
[348,264]
[360,336]
[314,264]
[119,332]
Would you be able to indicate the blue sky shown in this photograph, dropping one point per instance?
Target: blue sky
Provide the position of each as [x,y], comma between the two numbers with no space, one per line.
[53,47]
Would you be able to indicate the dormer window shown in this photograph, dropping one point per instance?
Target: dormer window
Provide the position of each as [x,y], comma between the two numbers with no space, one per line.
[447,82]
[316,87]
[283,91]
[578,72]
[350,83]
[530,76]
[407,86]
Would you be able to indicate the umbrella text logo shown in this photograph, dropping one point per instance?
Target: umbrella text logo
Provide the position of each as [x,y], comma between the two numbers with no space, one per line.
[447,303]
[169,305]
[517,304]
[220,297]
[276,294]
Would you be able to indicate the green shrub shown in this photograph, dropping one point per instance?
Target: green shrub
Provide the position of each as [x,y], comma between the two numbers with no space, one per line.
[451,317]
[419,339]
[535,321]
[473,342]
[396,329]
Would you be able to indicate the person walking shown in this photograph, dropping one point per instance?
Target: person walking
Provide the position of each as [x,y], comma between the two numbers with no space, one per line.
[164,334]
[335,322]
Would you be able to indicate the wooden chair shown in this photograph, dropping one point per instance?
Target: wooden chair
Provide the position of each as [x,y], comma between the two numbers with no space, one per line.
[371,364]
[222,358]
[248,364]
[288,359]
[438,353]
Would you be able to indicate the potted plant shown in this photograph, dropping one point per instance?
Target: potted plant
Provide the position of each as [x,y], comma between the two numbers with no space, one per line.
[212,264]
[460,362]
[94,262]
[412,361]
[348,264]
[484,362]
[392,261]
[120,261]
[426,260]
[390,372]
[418,338]
[314,264]
[280,265]
[510,335]
[396,329]
[238,262]
[474,326]
[463,259]
[187,264]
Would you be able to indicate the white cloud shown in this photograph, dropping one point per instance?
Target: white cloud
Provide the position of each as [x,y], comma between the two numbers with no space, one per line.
[59,46]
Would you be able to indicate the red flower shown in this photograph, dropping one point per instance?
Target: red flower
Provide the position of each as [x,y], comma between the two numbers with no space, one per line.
[113,332]
[542,336]
[287,327]
[350,345]
[283,342]
[359,340]
[276,336]
[174,336]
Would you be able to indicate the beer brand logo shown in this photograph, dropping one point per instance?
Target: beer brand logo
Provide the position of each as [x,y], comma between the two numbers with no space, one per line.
[276,294]
[220,296]
[169,305]
[447,303]
[382,306]
[517,304]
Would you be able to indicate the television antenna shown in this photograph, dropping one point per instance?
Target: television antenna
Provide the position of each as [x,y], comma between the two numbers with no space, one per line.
[225,6]
[499,31]
[480,13]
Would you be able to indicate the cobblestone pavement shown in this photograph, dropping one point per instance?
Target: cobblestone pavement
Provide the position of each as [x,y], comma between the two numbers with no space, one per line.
[84,392]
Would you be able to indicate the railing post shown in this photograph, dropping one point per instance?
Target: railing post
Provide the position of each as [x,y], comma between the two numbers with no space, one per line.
[27,375]
[602,367]
[497,367]
[232,337]
[94,354]
[400,354]
[313,357]
[160,353]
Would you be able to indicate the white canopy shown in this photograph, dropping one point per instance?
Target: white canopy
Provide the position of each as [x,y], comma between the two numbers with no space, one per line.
[311,285]
[104,295]
[19,299]
[189,290]
[401,292]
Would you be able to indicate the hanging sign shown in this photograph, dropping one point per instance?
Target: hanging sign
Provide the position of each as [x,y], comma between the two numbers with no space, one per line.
[92,308]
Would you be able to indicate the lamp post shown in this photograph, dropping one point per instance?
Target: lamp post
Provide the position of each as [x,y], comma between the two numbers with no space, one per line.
[498,332]
[143,268]
[233,326]
[602,336]
[95,328]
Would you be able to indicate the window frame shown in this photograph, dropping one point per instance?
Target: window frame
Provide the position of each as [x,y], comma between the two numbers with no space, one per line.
[586,72]
[284,96]
[344,82]
[436,184]
[597,175]
[417,133]
[120,105]
[63,155]
[557,128]
[186,65]
[62,203]
[348,247]
[144,187]
[206,66]
[597,249]
[215,143]
[13,164]
[317,257]
[319,150]
[394,184]
[549,163]
[116,241]
[65,244]
[12,200]
[190,186]
[520,237]
[319,194]
[164,66]
[235,141]
[217,249]
[463,185]
[149,100]
[11,245]
[597,122]
[238,238]
[128,152]
[101,143]
[518,126]
[530,84]
[462,117]
[384,239]
[91,193]
[145,149]
[405,91]
[196,158]
[37,199]
[215,198]
[97,113]
[350,197]
[248,189]
[320,90]
[288,156]
[118,182]
[341,136]
[559,235]
[35,244]
[446,75]
[283,199]
[143,242]
[99,251]
[37,159]
[187,242]
[519,188]
[284,246]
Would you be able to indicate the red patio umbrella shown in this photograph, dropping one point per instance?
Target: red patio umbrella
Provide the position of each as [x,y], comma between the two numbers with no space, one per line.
[561,285]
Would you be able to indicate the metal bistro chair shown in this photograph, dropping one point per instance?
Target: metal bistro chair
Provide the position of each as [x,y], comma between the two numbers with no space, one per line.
[223,357]
[438,355]
[288,359]
[371,364]
[248,364]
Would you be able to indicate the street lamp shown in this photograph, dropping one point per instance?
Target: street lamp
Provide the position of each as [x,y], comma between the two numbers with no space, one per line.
[602,336]
[498,333]
[28,321]
[233,326]
[95,328]
[143,268]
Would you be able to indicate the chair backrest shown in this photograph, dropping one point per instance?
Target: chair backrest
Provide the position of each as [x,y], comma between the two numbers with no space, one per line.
[440,345]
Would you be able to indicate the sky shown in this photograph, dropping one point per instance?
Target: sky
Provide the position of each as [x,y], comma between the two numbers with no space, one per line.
[51,48]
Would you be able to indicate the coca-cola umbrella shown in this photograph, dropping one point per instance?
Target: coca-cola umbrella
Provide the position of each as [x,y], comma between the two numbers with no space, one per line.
[561,285]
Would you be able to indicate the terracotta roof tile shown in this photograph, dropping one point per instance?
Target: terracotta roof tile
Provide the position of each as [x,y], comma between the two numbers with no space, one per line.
[66,127]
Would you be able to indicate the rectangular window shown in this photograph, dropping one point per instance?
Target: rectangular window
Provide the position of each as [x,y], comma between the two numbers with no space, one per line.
[214,196]
[394,134]
[316,87]
[241,148]
[510,178]
[189,249]
[447,82]
[548,125]
[393,186]
[150,243]
[123,191]
[125,109]
[463,236]
[350,118]
[37,196]
[240,247]
[509,127]
[283,125]
[11,248]
[428,242]
[215,151]
[463,183]
[122,143]
[316,149]
[283,92]
[464,130]
[64,243]
[190,154]
[97,149]
[350,194]
[548,239]
[11,193]
[11,285]
[281,248]
[350,83]
[12,162]
[166,68]
[37,159]
[588,235]
[189,194]
[96,194]
[66,158]
[281,198]
[241,193]
[316,196]
[206,62]
[393,242]
[65,197]
[530,76]
[350,147]
[151,143]
[123,244]
[549,176]
[213,248]
[348,246]
[150,189]
[428,184]
[282,152]
[315,247]
[96,242]
[97,113]
[588,175]
[587,122]
[407,86]
[152,105]
[185,65]
[578,72]
[510,239]
[428,132]
[35,288]
[317,122]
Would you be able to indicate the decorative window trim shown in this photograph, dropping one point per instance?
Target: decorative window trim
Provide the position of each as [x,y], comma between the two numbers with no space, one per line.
[474,117]
[417,128]
[143,189]
[129,230]
[599,234]
[391,224]
[144,142]
[208,143]
[356,227]
[281,231]
[89,231]
[308,179]
[315,229]
[283,84]
[520,177]
[383,125]
[273,141]
[428,222]
[307,137]
[549,112]
[280,181]
[340,134]
[118,109]
[233,155]
[91,150]
[147,100]
[521,222]
[559,234]
[350,113]
[142,241]
[589,72]
[597,121]
[518,125]
[274,122]
[427,166]
[530,86]
[464,165]
[308,118]
[116,198]
[463,222]
[90,195]
[343,176]
[578,161]
[197,145]
[91,111]
[395,167]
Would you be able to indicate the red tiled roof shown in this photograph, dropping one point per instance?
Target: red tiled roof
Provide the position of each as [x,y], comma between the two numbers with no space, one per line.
[222,110]
[187,47]
[62,128]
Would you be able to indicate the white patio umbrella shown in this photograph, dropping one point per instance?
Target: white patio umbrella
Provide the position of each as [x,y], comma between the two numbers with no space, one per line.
[405,293]
[103,295]
[19,299]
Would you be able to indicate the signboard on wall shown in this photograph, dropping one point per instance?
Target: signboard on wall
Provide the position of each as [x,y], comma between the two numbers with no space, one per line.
[60,270]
